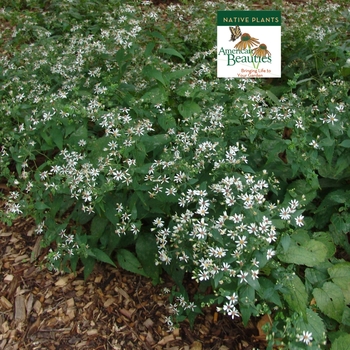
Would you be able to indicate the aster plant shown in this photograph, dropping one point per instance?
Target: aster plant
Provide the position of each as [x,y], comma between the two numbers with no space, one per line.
[121,143]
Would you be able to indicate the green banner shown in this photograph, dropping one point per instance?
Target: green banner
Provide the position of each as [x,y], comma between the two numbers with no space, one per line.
[249,18]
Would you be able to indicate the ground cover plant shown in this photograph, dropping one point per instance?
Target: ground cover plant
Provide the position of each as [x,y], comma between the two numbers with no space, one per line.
[120,141]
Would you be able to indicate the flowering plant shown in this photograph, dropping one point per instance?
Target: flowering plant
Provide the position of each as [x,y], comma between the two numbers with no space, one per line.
[120,142]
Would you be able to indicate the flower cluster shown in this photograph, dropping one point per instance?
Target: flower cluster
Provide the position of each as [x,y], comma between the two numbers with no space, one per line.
[225,230]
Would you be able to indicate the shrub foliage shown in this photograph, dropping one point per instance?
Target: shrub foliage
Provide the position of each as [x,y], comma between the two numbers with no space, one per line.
[120,141]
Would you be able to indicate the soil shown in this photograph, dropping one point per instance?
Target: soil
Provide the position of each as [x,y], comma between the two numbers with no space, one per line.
[112,309]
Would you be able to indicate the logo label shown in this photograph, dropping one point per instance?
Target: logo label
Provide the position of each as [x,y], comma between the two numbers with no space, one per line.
[249,44]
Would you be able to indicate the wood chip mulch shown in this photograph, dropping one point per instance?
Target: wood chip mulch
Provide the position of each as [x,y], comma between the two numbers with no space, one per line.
[112,309]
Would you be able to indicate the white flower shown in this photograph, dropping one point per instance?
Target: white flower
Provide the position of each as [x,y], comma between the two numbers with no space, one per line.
[331,118]
[158,222]
[270,253]
[242,241]
[255,274]
[314,144]
[232,298]
[242,276]
[299,220]
[284,213]
[203,276]
[306,337]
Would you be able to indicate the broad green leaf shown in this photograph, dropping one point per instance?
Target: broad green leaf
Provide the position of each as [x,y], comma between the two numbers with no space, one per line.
[268,291]
[129,262]
[316,276]
[341,343]
[273,97]
[89,264]
[340,275]
[175,272]
[120,55]
[42,205]
[152,73]
[314,324]
[57,135]
[47,139]
[139,153]
[146,250]
[345,143]
[155,95]
[326,239]
[188,108]
[166,122]
[296,297]
[154,141]
[330,300]
[75,15]
[150,46]
[177,74]
[109,240]
[110,208]
[342,169]
[246,302]
[171,52]
[102,256]
[98,225]
[217,237]
[310,253]
[80,134]
[346,316]
[158,35]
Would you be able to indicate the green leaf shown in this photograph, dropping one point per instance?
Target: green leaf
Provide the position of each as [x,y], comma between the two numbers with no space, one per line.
[98,225]
[129,262]
[146,250]
[89,264]
[57,135]
[297,297]
[345,143]
[158,35]
[110,208]
[268,291]
[154,141]
[310,253]
[273,97]
[217,237]
[152,73]
[316,276]
[188,108]
[155,95]
[150,46]
[80,134]
[330,300]
[177,74]
[340,275]
[326,239]
[171,52]
[246,302]
[41,205]
[346,316]
[166,122]
[101,256]
[313,324]
[341,343]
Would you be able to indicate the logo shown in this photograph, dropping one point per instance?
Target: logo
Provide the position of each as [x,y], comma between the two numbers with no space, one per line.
[249,44]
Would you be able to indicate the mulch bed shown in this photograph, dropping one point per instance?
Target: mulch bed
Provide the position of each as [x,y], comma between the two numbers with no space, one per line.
[112,309]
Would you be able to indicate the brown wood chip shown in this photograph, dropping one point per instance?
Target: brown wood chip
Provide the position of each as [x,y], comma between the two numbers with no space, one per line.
[20,308]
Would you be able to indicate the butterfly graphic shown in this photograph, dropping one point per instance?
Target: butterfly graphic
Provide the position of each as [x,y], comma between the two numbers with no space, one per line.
[235,33]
